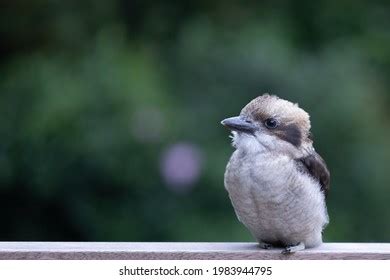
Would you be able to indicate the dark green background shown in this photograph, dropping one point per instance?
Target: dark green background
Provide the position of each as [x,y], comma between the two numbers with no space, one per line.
[94,93]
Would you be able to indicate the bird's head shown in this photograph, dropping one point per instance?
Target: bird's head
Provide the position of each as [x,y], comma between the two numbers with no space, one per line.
[270,123]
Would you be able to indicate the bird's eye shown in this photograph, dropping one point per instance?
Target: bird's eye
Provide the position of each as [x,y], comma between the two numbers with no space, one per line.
[271,123]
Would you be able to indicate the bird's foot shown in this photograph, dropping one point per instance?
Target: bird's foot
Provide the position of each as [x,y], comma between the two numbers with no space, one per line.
[265,246]
[290,249]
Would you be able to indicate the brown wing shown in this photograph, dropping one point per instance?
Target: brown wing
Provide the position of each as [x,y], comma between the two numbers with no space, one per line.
[316,167]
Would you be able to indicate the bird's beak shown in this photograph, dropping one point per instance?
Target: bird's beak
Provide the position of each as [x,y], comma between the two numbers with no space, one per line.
[239,124]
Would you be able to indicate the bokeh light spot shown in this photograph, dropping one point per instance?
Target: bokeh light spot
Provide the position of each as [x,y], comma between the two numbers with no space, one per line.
[180,166]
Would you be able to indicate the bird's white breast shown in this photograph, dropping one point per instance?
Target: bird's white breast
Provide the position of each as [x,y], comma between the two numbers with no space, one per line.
[274,200]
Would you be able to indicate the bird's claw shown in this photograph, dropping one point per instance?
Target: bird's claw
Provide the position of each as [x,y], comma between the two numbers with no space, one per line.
[265,246]
[290,249]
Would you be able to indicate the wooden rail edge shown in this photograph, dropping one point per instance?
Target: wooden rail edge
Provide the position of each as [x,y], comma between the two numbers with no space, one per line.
[185,250]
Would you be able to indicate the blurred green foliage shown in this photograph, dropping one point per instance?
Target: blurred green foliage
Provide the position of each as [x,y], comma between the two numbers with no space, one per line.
[93,94]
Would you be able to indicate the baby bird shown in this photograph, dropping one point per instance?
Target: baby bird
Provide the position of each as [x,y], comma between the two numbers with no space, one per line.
[276,181]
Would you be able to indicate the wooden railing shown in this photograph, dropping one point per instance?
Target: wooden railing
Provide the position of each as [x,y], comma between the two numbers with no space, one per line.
[193,250]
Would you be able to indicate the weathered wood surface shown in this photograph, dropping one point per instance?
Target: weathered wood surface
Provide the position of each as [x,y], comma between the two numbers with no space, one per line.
[177,250]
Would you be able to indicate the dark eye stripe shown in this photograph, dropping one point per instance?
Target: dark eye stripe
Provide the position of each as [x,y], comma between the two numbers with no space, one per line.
[290,133]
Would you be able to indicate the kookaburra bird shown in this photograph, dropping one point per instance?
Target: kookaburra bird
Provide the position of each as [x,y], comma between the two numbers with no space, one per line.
[276,181]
